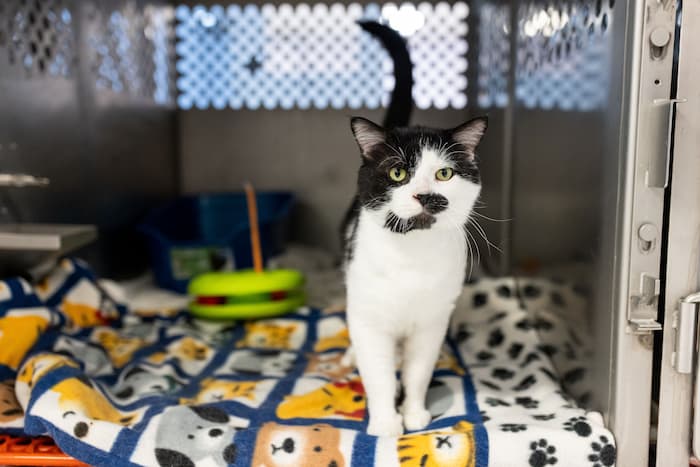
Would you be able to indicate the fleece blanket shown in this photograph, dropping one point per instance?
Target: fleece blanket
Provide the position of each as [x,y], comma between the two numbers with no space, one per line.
[120,386]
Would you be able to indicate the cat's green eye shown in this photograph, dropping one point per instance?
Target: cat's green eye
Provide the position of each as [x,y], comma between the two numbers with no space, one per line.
[444,174]
[397,174]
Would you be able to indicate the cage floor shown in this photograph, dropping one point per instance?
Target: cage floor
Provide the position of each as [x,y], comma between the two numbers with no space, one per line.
[110,382]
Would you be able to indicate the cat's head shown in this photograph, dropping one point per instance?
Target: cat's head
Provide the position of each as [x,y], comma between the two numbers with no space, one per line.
[418,178]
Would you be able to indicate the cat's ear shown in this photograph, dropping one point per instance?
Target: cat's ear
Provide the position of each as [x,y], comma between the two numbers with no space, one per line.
[469,134]
[367,134]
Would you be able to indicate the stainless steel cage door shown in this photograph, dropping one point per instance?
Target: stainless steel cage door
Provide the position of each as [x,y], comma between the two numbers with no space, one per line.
[678,431]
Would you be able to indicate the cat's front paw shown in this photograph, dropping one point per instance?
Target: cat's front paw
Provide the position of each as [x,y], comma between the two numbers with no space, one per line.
[416,419]
[385,426]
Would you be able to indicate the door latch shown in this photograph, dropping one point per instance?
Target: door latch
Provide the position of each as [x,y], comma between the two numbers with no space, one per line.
[684,326]
[643,309]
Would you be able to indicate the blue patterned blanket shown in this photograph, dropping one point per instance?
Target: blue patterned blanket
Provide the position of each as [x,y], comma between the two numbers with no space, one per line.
[118,386]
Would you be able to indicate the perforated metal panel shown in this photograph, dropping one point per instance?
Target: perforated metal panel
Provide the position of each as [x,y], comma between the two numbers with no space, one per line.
[563,54]
[316,55]
[38,36]
[494,55]
[132,50]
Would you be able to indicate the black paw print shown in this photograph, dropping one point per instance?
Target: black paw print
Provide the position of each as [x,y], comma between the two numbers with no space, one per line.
[603,454]
[490,385]
[579,425]
[542,454]
[494,402]
[502,373]
[544,417]
[526,383]
[496,338]
[463,333]
[527,402]
[515,349]
[480,299]
[530,291]
[484,355]
[498,316]
[504,291]
[529,358]
[513,427]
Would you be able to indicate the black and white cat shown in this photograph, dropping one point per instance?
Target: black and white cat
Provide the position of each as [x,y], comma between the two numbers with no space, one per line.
[406,257]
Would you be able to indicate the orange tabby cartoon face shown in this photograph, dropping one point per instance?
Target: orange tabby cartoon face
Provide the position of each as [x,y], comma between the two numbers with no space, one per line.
[268,335]
[292,446]
[454,446]
[328,365]
[340,339]
[332,400]
[39,365]
[119,348]
[214,390]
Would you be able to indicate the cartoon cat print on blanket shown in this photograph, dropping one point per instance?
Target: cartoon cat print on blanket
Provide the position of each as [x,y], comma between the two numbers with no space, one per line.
[35,368]
[119,348]
[328,366]
[268,335]
[452,447]
[189,436]
[185,350]
[214,390]
[341,339]
[10,409]
[19,330]
[286,446]
[332,400]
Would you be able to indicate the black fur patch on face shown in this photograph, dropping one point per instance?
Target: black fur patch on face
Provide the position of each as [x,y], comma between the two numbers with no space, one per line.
[420,222]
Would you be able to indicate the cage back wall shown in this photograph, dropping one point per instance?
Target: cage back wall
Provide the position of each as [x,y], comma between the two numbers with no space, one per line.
[123,104]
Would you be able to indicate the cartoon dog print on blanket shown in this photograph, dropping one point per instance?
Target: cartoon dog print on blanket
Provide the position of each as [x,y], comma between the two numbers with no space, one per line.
[119,348]
[286,446]
[268,362]
[332,400]
[19,331]
[454,446]
[10,410]
[271,335]
[189,436]
[329,366]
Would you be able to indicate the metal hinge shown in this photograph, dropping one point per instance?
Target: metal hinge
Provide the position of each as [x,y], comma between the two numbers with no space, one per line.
[684,327]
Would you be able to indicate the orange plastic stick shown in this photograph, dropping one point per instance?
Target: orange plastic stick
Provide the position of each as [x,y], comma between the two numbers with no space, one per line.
[254,232]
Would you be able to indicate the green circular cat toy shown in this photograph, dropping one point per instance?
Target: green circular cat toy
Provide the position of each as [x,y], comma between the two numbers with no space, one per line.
[247,294]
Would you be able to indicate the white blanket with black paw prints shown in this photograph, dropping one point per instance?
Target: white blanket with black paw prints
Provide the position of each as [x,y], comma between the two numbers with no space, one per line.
[523,343]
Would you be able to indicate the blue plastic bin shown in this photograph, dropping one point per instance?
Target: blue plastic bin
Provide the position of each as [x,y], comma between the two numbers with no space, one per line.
[210,232]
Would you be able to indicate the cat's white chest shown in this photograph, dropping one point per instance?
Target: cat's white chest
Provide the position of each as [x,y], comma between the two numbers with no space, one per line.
[400,281]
